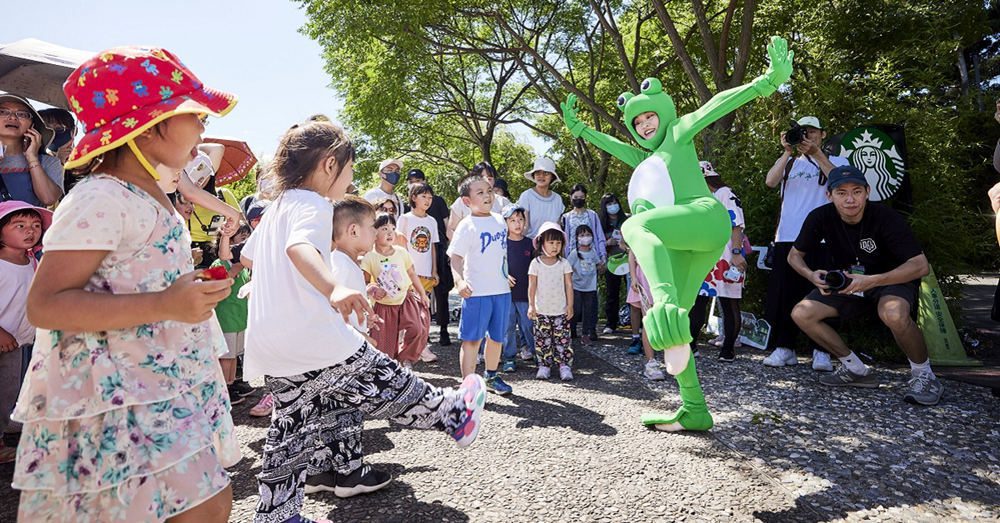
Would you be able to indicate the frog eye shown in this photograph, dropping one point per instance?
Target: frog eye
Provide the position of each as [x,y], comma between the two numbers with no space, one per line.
[623,99]
[651,86]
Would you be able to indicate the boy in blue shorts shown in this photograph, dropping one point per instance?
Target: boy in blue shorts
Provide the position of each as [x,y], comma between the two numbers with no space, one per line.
[478,253]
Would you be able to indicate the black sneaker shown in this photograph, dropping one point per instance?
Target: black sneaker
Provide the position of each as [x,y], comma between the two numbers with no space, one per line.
[445,339]
[241,388]
[362,481]
[727,354]
[234,397]
[322,482]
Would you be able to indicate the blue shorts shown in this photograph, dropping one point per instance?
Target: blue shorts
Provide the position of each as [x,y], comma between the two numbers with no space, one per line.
[484,316]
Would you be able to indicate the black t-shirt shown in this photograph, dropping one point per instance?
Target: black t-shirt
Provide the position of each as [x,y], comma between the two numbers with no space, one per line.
[881,241]
[519,253]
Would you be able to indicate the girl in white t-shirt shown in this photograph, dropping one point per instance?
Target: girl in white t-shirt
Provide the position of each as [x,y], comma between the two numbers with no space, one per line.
[550,302]
[324,376]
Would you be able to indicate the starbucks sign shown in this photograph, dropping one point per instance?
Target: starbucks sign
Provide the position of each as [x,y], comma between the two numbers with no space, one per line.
[879,157]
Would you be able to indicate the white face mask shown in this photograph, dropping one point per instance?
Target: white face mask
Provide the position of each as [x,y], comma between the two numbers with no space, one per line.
[586,240]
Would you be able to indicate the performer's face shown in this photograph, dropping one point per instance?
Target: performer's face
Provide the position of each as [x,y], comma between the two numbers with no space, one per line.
[646,124]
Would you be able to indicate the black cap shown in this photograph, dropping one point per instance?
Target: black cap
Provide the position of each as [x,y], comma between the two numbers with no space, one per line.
[845,174]
[416,173]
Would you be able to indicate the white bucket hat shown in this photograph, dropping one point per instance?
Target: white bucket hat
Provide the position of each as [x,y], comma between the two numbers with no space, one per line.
[542,164]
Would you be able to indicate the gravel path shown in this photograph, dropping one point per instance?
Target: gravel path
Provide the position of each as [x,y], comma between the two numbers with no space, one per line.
[783,450]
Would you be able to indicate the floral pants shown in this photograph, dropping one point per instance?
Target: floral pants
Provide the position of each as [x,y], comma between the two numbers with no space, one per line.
[317,422]
[552,341]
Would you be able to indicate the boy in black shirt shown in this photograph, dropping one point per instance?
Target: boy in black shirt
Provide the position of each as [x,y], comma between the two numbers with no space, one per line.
[876,250]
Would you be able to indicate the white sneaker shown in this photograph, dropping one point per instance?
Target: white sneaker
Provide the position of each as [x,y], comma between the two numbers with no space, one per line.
[781,357]
[717,341]
[821,361]
[652,371]
[607,330]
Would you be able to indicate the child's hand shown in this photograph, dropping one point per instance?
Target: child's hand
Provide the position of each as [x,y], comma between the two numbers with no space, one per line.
[635,286]
[464,289]
[7,341]
[569,312]
[532,313]
[511,281]
[190,300]
[376,292]
[346,300]
[601,268]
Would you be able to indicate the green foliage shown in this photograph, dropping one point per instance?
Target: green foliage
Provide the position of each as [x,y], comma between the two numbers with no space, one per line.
[247,186]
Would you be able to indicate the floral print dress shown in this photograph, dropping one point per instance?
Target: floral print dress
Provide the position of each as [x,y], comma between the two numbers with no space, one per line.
[715,283]
[130,424]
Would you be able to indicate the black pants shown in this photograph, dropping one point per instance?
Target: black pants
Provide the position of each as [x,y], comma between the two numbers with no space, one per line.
[444,286]
[732,320]
[585,311]
[612,299]
[785,288]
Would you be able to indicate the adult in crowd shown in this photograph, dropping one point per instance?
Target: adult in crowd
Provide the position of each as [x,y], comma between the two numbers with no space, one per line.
[581,215]
[439,211]
[994,192]
[876,261]
[800,174]
[460,210]
[540,203]
[63,127]
[612,216]
[206,224]
[26,173]
[389,172]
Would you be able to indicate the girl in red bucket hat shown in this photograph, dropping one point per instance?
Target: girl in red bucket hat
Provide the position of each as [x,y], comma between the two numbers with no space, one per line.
[125,412]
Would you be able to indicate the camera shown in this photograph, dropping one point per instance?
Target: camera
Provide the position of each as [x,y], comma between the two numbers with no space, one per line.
[837,280]
[795,135]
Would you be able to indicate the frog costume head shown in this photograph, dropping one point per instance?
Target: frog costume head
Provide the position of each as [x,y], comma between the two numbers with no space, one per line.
[650,99]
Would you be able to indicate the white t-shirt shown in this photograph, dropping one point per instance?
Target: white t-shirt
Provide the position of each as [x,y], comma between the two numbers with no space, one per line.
[347,272]
[458,208]
[803,193]
[377,194]
[14,283]
[482,242]
[421,234]
[550,290]
[291,327]
[540,210]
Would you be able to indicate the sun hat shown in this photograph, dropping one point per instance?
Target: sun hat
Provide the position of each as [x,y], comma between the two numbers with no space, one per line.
[390,161]
[12,206]
[707,169]
[120,93]
[810,121]
[542,164]
[548,226]
[36,119]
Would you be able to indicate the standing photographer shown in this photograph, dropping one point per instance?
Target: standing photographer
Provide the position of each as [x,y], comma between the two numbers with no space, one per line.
[877,264]
[801,179]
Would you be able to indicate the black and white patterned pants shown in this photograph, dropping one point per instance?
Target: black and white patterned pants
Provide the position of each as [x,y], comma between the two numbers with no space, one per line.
[317,422]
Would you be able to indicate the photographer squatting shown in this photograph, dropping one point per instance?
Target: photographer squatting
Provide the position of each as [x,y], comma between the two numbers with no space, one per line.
[877,261]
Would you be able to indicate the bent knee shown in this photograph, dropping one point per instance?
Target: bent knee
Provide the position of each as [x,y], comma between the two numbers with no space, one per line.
[808,312]
[895,313]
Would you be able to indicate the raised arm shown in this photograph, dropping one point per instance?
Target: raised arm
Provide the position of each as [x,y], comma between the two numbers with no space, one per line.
[728,101]
[632,156]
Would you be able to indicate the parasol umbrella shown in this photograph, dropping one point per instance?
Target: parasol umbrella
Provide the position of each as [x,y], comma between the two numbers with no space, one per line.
[37,70]
[237,160]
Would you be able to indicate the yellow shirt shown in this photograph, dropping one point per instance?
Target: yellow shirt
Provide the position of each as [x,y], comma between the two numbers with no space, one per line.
[202,218]
[390,273]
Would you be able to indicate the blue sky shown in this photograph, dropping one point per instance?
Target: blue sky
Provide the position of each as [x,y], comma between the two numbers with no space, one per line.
[251,48]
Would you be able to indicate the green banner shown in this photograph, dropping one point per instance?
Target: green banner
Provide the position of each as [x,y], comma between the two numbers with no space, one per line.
[943,343]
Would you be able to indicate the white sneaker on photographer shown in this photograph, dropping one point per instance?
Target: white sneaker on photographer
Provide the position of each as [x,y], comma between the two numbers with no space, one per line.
[821,361]
[781,357]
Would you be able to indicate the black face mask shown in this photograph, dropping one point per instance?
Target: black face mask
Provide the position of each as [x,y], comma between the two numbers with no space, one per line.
[579,202]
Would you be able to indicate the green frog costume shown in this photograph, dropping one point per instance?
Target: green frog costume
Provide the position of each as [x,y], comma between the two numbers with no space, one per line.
[678,229]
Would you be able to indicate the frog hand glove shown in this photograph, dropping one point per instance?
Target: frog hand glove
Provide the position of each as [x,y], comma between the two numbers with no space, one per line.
[678,229]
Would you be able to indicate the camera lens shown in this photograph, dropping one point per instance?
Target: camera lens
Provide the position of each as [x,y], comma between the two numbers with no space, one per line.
[836,280]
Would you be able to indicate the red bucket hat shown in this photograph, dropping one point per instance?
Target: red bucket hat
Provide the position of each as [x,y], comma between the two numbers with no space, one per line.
[123,91]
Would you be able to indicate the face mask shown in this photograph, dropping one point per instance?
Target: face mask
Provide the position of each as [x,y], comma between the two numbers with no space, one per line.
[614,208]
[585,240]
[392,178]
[579,203]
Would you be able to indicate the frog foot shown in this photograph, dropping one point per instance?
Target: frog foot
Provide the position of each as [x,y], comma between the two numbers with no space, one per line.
[667,326]
[682,419]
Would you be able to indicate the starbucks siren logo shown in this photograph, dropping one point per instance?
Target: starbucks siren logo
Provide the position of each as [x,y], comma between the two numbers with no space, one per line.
[874,153]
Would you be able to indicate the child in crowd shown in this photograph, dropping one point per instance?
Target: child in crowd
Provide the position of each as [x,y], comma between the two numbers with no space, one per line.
[21,229]
[581,215]
[125,411]
[640,298]
[550,302]
[232,311]
[417,232]
[324,376]
[460,209]
[387,206]
[403,308]
[519,255]
[353,237]
[585,262]
[255,212]
[478,253]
